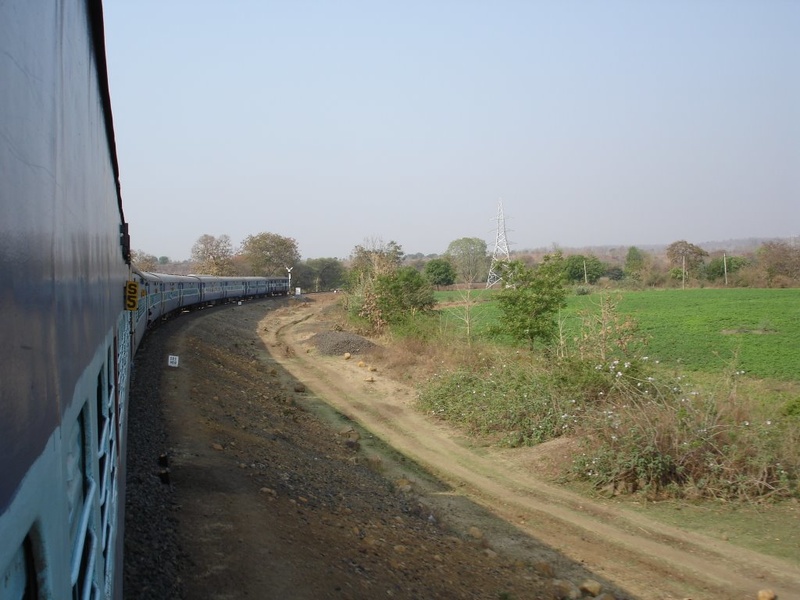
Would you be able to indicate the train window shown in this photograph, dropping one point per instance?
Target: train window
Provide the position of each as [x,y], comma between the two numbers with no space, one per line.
[102,409]
[75,471]
[19,580]
[112,375]
[82,496]
[107,471]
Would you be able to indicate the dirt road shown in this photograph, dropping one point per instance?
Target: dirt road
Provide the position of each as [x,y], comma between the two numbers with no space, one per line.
[648,559]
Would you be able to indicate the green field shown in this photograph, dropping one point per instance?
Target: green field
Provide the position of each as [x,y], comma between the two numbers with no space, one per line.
[697,329]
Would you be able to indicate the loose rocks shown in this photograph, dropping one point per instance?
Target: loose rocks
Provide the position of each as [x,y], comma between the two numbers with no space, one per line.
[337,343]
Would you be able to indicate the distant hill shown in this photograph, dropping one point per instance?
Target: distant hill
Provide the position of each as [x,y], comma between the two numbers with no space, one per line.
[743,245]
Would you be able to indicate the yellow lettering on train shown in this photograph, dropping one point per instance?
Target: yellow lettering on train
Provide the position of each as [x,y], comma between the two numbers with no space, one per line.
[132,295]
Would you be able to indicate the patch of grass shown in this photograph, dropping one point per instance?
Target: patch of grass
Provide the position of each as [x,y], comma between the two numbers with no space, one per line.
[669,438]
[771,529]
[482,307]
[698,330]
[423,326]
[704,329]
[455,296]
[503,399]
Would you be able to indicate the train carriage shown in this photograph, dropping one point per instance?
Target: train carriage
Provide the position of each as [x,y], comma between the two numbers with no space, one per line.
[255,287]
[211,290]
[167,294]
[278,286]
[190,292]
[233,288]
[66,349]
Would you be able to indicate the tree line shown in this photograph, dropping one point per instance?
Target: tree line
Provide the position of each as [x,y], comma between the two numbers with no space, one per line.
[466,261]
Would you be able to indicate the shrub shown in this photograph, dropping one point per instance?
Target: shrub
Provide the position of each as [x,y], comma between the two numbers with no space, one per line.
[668,439]
[605,334]
[503,399]
[531,299]
[402,294]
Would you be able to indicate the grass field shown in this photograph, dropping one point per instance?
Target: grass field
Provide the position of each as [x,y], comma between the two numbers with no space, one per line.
[698,329]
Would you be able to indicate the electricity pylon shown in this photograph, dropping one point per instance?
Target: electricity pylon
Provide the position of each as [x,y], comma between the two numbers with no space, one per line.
[500,253]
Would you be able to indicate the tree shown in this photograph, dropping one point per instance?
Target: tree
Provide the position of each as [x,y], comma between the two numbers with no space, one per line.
[143,261]
[374,258]
[779,260]
[719,265]
[532,298]
[439,271]
[302,277]
[326,273]
[469,258]
[367,263]
[163,260]
[471,263]
[615,273]
[579,268]
[213,255]
[635,263]
[270,253]
[687,257]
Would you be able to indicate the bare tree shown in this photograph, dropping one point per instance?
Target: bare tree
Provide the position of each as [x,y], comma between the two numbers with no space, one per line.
[470,261]
[375,257]
[143,261]
[779,260]
[213,255]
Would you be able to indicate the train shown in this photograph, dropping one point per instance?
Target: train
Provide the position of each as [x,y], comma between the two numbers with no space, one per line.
[163,296]
[73,309]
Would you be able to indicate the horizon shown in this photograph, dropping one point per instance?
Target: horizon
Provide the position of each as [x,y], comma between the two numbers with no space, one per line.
[740,244]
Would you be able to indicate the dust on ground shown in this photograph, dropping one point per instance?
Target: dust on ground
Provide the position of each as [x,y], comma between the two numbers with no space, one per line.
[300,474]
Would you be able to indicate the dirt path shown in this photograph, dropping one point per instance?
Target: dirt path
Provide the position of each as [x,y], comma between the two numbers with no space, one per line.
[648,559]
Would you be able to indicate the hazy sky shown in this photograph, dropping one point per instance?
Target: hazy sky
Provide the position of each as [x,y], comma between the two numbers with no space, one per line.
[596,123]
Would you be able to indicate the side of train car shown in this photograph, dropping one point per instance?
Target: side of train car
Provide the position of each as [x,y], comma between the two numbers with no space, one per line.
[68,330]
[65,356]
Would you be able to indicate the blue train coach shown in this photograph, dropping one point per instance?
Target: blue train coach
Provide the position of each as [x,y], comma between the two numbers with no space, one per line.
[66,337]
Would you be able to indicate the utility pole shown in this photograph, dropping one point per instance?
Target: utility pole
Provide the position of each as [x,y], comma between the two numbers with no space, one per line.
[683,273]
[725,267]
